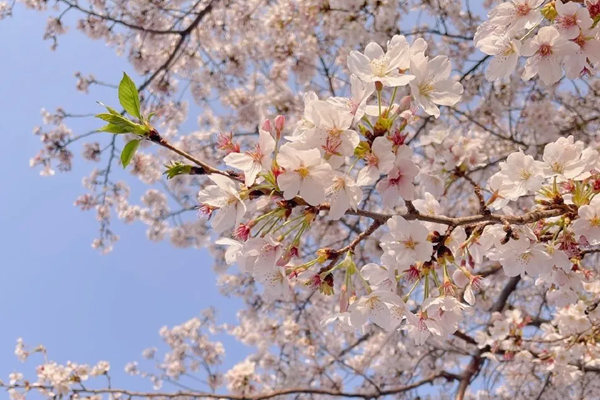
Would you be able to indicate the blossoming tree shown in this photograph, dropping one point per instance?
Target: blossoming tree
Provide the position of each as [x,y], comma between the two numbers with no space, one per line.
[403,193]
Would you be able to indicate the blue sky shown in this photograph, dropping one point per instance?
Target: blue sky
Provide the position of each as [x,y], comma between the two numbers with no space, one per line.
[56,289]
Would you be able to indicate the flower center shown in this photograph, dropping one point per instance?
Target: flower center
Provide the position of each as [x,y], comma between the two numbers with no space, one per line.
[353,106]
[371,159]
[523,9]
[333,142]
[426,89]
[256,154]
[524,174]
[303,171]
[524,258]
[409,243]
[379,66]
[508,50]
[580,40]
[338,183]
[595,222]
[567,21]
[557,167]
[545,50]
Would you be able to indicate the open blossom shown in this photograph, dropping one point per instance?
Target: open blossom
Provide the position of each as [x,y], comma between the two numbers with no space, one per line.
[376,66]
[379,277]
[432,86]
[506,53]
[525,173]
[588,223]
[546,52]
[571,19]
[589,49]
[564,158]
[252,162]
[405,243]
[516,15]
[398,184]
[262,254]
[332,134]
[421,326]
[225,198]
[305,173]
[379,160]
[445,309]
[376,307]
[532,260]
[357,103]
[431,207]
[345,194]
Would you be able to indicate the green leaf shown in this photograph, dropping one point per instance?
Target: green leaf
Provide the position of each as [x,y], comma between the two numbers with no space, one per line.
[114,129]
[120,124]
[129,96]
[177,168]
[128,152]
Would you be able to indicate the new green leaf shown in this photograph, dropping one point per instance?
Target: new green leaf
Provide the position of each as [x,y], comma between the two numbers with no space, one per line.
[129,96]
[129,151]
[177,168]
[119,124]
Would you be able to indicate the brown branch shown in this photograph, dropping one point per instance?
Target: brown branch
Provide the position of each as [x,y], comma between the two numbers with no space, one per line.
[264,396]
[184,34]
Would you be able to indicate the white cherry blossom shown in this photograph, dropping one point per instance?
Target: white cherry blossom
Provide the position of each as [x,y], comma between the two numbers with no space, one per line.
[305,173]
[546,52]
[432,86]
[376,66]
[252,162]
[225,198]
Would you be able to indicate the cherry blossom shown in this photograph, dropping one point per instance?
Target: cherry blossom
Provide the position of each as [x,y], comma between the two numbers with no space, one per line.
[224,197]
[305,173]
[379,160]
[431,86]
[376,66]
[253,161]
[588,223]
[571,19]
[546,52]
[405,243]
[345,194]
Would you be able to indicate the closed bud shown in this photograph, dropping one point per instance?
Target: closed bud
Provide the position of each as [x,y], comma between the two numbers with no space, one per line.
[279,124]
[266,126]
[325,254]
[549,11]
[405,104]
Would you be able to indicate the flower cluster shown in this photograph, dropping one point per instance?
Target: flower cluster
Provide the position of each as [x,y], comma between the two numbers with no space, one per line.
[554,36]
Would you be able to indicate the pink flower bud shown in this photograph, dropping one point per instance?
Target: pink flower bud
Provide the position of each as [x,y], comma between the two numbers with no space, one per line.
[404,105]
[266,126]
[279,124]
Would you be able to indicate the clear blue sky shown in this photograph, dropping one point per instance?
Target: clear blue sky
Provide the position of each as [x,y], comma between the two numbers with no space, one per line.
[55,288]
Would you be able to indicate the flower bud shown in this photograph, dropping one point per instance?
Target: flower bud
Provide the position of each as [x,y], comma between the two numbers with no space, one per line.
[279,123]
[460,278]
[404,105]
[549,11]
[266,126]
